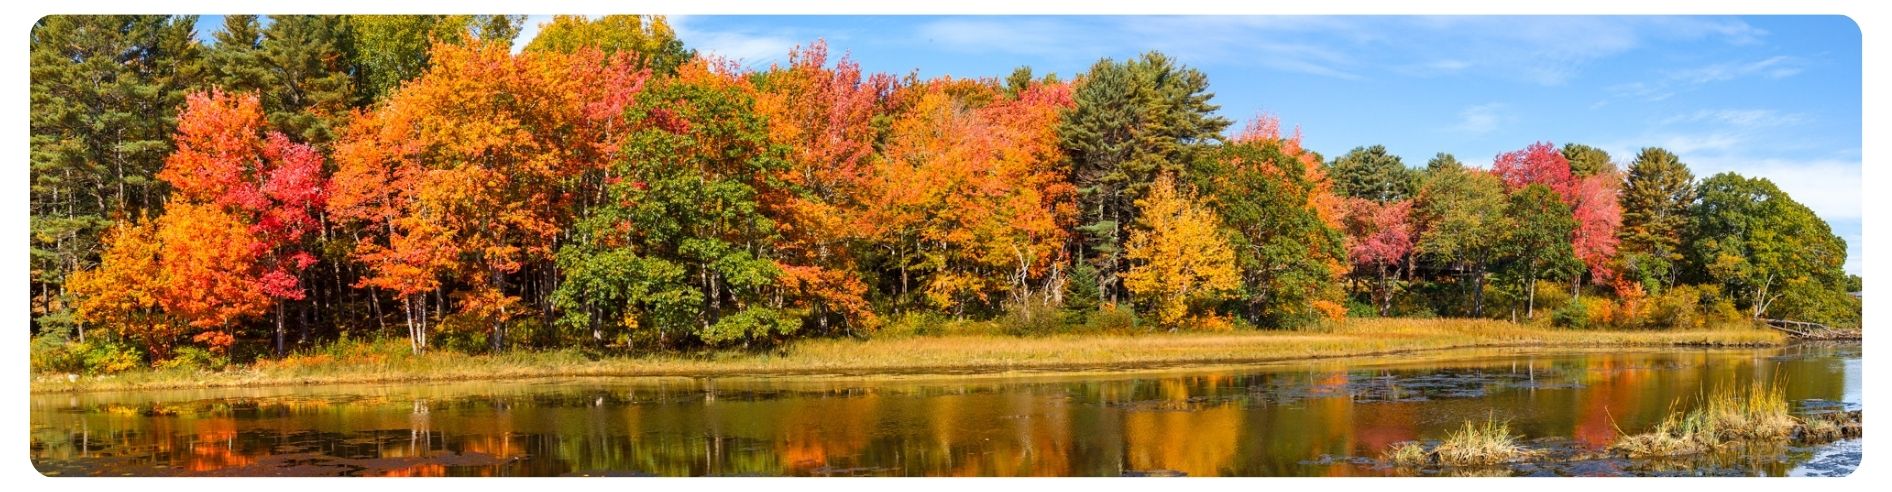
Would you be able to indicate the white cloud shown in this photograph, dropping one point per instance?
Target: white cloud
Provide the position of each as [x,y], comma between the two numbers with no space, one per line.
[1744,118]
[1831,187]
[748,48]
[1480,119]
[1777,67]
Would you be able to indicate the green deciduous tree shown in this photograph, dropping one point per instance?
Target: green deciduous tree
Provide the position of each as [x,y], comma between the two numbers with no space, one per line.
[1538,243]
[1762,246]
[1466,228]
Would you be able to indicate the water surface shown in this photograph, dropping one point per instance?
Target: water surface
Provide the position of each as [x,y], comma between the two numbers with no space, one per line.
[1317,418]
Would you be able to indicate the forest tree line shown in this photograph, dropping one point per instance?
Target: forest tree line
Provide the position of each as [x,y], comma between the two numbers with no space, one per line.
[311,178]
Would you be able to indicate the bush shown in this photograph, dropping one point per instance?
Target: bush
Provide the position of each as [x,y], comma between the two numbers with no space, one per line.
[1032,319]
[111,357]
[193,357]
[1113,319]
[52,352]
[1571,315]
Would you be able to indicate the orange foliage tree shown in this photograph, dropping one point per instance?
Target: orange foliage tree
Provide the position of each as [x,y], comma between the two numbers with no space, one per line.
[468,174]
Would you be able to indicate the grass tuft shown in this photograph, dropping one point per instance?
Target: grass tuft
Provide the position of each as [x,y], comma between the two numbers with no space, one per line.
[1732,416]
[1486,444]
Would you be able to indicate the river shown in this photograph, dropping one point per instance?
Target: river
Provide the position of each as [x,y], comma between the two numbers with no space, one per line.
[1311,418]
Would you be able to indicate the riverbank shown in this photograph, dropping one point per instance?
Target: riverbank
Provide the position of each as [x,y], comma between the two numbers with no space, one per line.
[387,362]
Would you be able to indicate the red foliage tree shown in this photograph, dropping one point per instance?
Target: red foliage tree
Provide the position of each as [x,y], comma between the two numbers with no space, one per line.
[1379,236]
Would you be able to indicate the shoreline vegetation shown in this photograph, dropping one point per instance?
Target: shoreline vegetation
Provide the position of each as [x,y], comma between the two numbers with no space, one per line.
[1730,420]
[389,362]
[607,201]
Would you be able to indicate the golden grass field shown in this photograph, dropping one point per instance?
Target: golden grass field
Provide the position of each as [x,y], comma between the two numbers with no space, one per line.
[389,361]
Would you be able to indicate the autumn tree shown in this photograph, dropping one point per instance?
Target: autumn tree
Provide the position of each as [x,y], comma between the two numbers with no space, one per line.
[1283,221]
[649,37]
[1131,121]
[1465,224]
[470,173]
[825,118]
[971,195]
[1178,256]
[1380,235]
[105,91]
[1655,199]
[389,50]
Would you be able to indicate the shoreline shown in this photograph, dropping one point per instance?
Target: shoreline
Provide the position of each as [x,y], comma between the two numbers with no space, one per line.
[921,355]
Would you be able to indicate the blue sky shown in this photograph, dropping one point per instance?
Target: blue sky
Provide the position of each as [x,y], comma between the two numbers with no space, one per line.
[1777,97]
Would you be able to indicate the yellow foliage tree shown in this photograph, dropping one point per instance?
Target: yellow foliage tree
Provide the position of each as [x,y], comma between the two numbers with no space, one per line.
[1178,256]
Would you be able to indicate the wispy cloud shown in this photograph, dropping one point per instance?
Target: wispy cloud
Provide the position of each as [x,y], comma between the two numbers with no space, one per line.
[1480,119]
[1776,67]
[1684,80]
[744,46]
[1743,118]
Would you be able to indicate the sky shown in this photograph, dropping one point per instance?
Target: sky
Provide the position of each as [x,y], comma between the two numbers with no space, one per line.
[1775,97]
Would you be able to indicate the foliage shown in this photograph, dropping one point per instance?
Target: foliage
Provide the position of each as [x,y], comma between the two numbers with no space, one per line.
[1656,197]
[1179,257]
[649,37]
[1538,245]
[1372,173]
[1762,246]
[1464,222]
[105,90]
[1130,122]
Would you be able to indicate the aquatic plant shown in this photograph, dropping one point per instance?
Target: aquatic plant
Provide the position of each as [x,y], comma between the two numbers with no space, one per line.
[1484,444]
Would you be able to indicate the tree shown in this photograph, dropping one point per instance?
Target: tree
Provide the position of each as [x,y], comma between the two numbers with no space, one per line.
[1539,163]
[649,37]
[1443,160]
[972,197]
[1655,201]
[1758,243]
[1586,161]
[1131,121]
[298,65]
[682,242]
[1465,224]
[226,158]
[391,49]
[121,295]
[825,118]
[1371,173]
[105,92]
[1283,221]
[470,173]
[1598,213]
[1179,256]
[1538,243]
[1380,235]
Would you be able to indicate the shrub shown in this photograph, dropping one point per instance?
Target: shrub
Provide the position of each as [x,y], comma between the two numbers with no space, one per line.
[1032,319]
[54,353]
[192,357]
[1571,315]
[1113,319]
[111,357]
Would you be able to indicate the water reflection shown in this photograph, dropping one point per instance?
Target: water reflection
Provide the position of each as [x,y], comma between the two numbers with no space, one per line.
[1273,420]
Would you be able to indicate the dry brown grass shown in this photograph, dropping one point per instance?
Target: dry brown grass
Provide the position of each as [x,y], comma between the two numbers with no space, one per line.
[1732,416]
[388,361]
[1487,444]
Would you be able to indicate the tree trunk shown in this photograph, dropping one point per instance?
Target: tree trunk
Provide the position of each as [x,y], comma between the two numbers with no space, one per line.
[279,330]
[1478,291]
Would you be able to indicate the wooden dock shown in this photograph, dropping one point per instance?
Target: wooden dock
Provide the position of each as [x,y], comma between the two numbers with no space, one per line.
[1811,331]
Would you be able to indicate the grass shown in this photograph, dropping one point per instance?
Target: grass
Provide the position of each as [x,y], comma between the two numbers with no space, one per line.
[1485,444]
[1474,445]
[388,361]
[1737,416]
